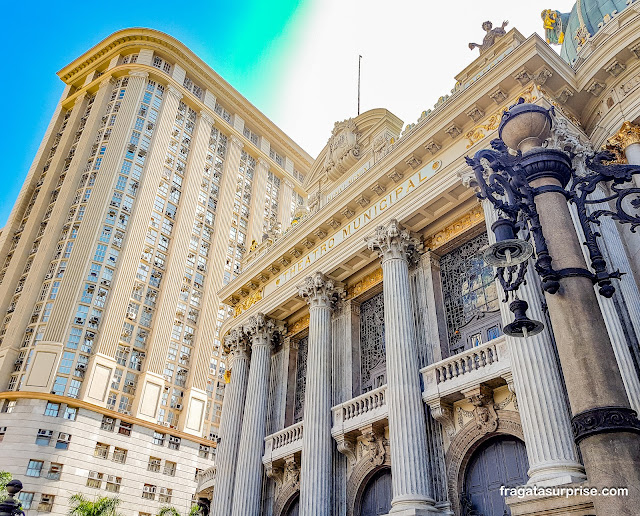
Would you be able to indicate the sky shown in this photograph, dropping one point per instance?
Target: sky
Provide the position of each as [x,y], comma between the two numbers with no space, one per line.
[295,60]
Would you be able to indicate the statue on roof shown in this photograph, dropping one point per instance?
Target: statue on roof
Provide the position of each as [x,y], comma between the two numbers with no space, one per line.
[490,37]
[554,25]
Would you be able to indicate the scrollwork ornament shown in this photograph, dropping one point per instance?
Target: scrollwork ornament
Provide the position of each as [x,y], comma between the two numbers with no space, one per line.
[604,420]
[319,290]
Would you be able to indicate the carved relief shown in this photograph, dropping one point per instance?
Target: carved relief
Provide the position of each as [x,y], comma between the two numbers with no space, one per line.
[381,146]
[287,480]
[343,149]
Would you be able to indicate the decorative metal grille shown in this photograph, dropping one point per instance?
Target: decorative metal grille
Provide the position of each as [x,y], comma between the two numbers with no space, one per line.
[468,287]
[372,348]
[301,377]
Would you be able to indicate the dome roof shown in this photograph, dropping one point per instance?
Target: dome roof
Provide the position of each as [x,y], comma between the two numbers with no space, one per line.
[572,30]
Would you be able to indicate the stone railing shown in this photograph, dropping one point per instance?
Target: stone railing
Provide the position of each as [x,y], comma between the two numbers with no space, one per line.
[367,408]
[283,443]
[206,479]
[467,369]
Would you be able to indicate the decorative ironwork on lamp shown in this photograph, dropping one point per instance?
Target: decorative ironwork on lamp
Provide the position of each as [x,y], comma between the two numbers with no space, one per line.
[503,176]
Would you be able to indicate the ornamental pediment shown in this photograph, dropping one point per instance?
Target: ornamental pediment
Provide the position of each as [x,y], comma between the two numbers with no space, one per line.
[343,149]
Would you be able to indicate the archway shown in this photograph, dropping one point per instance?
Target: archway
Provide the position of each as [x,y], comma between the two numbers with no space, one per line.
[294,507]
[499,461]
[377,494]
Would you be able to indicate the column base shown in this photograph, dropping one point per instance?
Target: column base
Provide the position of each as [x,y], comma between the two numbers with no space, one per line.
[413,505]
[556,474]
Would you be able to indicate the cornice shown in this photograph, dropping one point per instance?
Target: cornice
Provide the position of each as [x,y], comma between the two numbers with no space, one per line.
[21,395]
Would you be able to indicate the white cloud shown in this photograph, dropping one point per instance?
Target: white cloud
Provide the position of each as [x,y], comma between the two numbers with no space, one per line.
[411,52]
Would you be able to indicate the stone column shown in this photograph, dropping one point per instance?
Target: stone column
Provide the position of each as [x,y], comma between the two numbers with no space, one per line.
[317,444]
[248,481]
[604,425]
[231,422]
[407,426]
[541,399]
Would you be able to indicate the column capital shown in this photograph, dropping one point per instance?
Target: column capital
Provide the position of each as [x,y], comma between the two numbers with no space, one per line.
[628,134]
[236,345]
[138,73]
[393,241]
[175,92]
[206,117]
[261,328]
[320,291]
[237,142]
[263,163]
[107,81]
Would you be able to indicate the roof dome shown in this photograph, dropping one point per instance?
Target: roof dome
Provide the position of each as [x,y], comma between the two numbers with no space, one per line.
[571,30]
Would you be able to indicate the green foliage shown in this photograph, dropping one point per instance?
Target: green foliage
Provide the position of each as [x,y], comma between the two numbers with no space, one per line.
[5,478]
[172,511]
[104,506]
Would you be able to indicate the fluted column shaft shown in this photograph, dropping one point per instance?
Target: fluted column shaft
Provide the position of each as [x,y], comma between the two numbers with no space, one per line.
[316,472]
[407,426]
[541,399]
[230,425]
[248,481]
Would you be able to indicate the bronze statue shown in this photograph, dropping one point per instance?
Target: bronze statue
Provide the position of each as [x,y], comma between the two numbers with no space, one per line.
[490,36]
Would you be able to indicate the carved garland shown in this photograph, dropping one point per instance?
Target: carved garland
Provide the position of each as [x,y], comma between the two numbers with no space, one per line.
[466,442]
[376,457]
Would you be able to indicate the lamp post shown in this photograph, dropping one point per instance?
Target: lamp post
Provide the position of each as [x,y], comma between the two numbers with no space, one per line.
[11,507]
[530,185]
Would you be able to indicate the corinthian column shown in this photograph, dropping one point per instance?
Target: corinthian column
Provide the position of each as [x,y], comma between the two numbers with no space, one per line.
[407,427]
[248,482]
[315,480]
[542,404]
[231,422]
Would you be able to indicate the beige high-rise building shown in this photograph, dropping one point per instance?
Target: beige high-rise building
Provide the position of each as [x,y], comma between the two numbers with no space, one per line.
[152,181]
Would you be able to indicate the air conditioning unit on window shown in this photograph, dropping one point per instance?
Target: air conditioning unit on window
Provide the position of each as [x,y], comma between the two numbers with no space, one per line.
[81,367]
[131,316]
[179,406]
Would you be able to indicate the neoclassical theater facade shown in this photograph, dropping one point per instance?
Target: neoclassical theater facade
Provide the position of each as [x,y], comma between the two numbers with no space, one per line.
[369,371]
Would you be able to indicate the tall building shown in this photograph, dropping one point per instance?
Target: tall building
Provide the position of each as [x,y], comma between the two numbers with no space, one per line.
[152,181]
[373,362]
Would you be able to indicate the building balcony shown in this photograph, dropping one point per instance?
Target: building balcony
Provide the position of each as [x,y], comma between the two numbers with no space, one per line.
[206,481]
[445,381]
[367,409]
[282,444]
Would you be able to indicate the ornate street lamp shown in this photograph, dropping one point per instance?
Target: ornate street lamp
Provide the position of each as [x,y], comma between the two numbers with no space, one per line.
[529,184]
[504,177]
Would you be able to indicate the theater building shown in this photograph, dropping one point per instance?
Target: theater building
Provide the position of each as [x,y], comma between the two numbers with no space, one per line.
[369,370]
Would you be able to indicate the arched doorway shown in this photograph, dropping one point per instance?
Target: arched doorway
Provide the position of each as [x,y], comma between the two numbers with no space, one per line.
[294,507]
[377,494]
[500,461]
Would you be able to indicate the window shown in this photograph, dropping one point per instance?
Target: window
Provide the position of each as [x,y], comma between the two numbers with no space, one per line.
[119,455]
[9,406]
[125,428]
[34,468]
[165,495]
[3,430]
[170,468]
[203,452]
[52,409]
[101,451]
[26,499]
[149,492]
[70,413]
[158,438]
[94,480]
[46,503]
[174,442]
[108,423]
[55,470]
[44,437]
[63,441]
[154,464]
[113,484]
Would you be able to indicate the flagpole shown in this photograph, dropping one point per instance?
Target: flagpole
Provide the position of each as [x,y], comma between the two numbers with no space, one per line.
[359,59]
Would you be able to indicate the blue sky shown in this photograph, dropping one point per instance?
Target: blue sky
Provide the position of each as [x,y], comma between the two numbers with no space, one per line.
[296,60]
